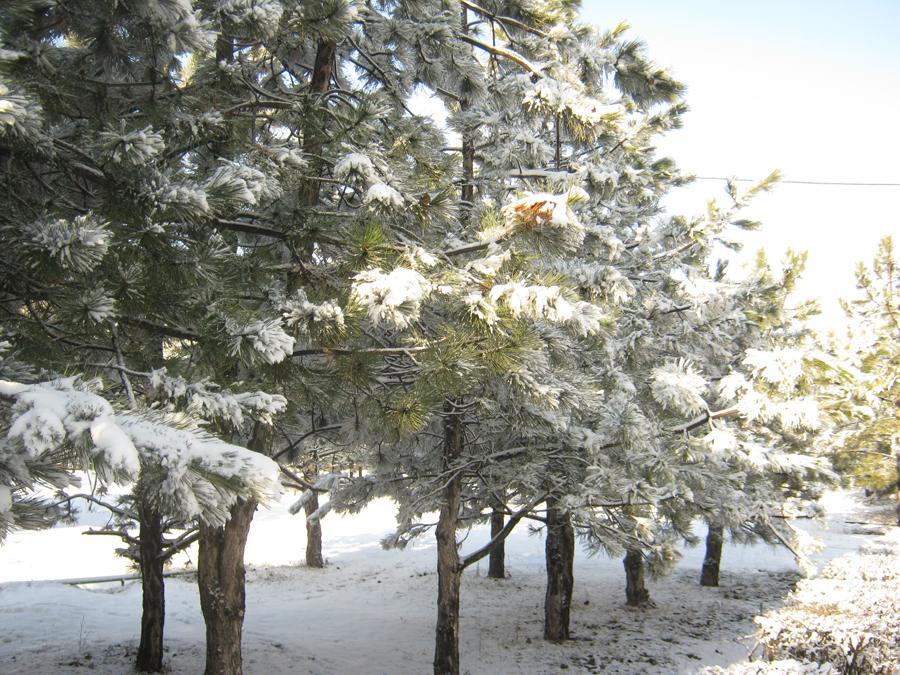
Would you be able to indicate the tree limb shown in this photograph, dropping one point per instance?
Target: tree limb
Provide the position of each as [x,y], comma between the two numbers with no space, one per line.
[125,513]
[505,53]
[508,20]
[475,556]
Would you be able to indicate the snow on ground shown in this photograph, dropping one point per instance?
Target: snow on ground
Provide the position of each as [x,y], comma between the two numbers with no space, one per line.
[372,611]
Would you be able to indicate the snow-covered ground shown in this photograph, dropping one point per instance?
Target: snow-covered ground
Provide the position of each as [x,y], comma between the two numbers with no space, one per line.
[372,611]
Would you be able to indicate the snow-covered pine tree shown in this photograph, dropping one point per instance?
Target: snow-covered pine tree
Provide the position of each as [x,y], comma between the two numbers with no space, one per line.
[684,334]
[770,390]
[425,320]
[269,195]
[863,398]
[24,470]
[588,124]
[523,428]
[581,115]
[582,121]
[138,181]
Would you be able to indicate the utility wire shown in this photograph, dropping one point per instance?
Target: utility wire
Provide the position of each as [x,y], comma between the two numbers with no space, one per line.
[802,182]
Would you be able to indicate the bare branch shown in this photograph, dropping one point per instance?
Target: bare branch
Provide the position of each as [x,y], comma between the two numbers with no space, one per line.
[118,510]
[501,535]
[247,228]
[703,419]
[180,543]
[295,443]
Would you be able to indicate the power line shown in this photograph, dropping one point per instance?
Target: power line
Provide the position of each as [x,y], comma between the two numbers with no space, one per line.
[802,182]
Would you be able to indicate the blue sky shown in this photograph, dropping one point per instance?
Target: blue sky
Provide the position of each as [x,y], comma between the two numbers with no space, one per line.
[810,88]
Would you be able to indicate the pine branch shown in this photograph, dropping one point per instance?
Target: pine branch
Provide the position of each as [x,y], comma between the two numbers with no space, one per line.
[122,534]
[703,419]
[505,53]
[468,248]
[120,359]
[247,228]
[171,331]
[384,78]
[50,329]
[301,482]
[329,351]
[475,556]
[180,543]
[294,444]
[508,20]
[119,511]
[113,366]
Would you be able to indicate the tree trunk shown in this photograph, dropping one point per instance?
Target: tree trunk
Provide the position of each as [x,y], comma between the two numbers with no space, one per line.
[220,576]
[635,591]
[313,534]
[560,554]
[446,643]
[320,80]
[709,576]
[153,611]
[468,158]
[467,137]
[496,561]
[898,485]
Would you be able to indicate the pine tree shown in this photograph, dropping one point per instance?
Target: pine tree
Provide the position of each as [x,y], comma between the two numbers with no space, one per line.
[127,180]
[776,417]
[863,397]
[650,272]
[228,209]
[588,421]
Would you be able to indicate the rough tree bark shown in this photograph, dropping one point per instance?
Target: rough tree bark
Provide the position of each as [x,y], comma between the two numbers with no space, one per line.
[446,646]
[449,569]
[709,576]
[220,577]
[313,529]
[897,494]
[497,556]
[467,192]
[636,592]
[320,80]
[560,555]
[153,614]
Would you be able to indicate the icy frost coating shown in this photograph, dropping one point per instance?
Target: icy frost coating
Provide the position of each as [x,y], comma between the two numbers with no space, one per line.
[204,476]
[383,194]
[49,414]
[540,302]
[78,244]
[776,366]
[354,163]
[539,210]
[133,148]
[266,338]
[848,614]
[393,299]
[680,387]
[210,402]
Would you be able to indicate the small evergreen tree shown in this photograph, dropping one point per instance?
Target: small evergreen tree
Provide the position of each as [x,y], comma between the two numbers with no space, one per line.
[864,396]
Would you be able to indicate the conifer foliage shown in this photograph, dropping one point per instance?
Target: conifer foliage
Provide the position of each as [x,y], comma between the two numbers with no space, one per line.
[222,221]
[863,397]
